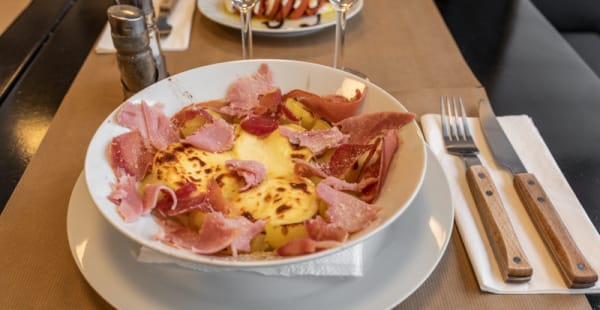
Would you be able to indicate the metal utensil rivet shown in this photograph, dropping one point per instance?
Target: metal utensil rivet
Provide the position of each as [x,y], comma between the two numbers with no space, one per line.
[541,199]
[580,266]
[481,175]
[517,259]
[530,182]
[489,193]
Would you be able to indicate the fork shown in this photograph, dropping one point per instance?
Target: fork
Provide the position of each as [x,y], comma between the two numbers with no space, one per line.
[512,262]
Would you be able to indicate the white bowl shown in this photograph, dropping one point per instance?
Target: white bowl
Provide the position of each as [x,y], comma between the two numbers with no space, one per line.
[403,181]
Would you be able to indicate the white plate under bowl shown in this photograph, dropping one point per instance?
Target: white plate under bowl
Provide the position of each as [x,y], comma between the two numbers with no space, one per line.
[215,11]
[404,178]
[413,246]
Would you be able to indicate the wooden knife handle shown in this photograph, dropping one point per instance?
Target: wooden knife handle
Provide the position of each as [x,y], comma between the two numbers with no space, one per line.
[575,269]
[513,262]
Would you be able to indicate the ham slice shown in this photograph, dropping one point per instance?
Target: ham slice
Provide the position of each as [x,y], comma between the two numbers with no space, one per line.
[318,141]
[243,94]
[318,229]
[345,157]
[303,246]
[380,169]
[342,185]
[346,211]
[217,233]
[130,155]
[260,125]
[217,136]
[247,230]
[269,102]
[363,128]
[253,172]
[151,194]
[186,199]
[151,121]
[190,112]
[127,198]
[183,200]
[305,169]
[332,107]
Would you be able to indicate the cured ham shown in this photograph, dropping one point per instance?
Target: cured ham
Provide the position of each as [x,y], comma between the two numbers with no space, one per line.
[332,107]
[187,199]
[246,230]
[151,122]
[243,94]
[363,128]
[127,198]
[345,157]
[217,233]
[342,185]
[269,102]
[260,125]
[180,201]
[347,211]
[303,246]
[217,136]
[151,194]
[253,172]
[380,169]
[305,169]
[190,112]
[130,155]
[318,141]
[318,229]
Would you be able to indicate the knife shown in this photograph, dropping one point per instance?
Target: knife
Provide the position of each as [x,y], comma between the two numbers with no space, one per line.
[574,268]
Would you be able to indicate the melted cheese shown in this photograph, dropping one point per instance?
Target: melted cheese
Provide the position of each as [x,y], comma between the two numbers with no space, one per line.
[281,198]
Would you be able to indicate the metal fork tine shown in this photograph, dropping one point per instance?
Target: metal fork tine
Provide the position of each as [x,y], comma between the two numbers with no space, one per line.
[467,132]
[458,122]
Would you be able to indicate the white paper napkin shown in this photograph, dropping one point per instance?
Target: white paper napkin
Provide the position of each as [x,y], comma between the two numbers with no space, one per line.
[536,157]
[348,262]
[179,39]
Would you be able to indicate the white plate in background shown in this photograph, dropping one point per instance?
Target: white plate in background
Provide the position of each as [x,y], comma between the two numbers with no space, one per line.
[215,11]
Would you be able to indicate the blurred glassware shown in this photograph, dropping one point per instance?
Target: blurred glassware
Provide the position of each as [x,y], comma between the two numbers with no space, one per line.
[245,9]
[341,8]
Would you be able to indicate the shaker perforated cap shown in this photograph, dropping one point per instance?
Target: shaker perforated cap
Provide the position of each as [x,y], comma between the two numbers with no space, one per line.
[126,20]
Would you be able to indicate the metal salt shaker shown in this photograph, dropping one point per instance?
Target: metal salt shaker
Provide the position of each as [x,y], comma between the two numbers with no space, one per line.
[153,35]
[134,57]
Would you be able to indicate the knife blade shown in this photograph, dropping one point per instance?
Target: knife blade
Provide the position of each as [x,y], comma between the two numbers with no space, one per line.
[575,269]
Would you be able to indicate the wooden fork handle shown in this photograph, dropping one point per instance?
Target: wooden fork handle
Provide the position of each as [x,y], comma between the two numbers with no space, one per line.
[575,269]
[513,263]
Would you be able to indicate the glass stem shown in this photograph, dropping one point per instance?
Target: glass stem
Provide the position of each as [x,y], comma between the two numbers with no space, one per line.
[246,16]
[340,33]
